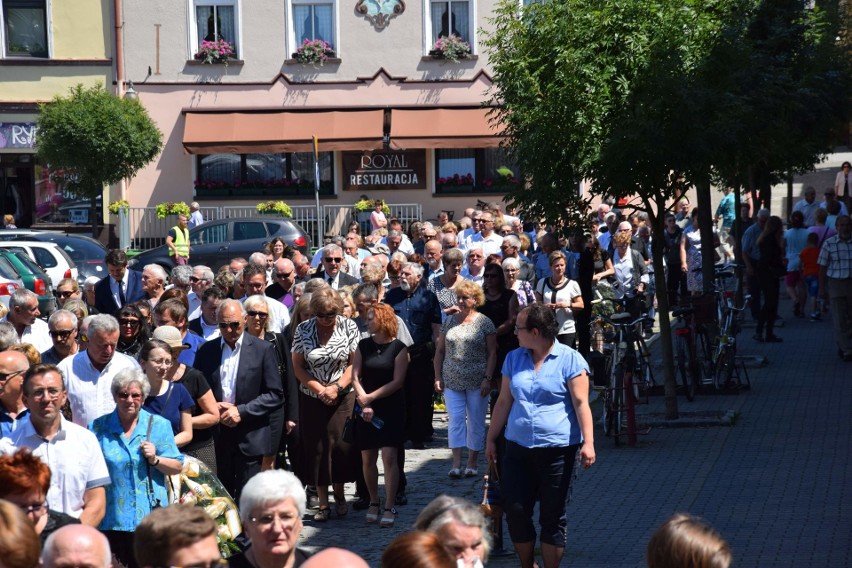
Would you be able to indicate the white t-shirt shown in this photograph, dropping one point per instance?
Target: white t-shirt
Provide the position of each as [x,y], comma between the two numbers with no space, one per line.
[89,390]
[567,293]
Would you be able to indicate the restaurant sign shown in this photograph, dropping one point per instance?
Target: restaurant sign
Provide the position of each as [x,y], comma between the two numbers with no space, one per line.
[384,169]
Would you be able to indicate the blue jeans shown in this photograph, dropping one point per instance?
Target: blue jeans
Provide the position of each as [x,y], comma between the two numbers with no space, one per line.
[538,474]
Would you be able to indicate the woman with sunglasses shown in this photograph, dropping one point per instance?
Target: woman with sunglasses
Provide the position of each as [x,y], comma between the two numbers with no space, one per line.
[323,352]
[501,307]
[140,451]
[463,372]
[167,399]
[66,289]
[283,420]
[133,331]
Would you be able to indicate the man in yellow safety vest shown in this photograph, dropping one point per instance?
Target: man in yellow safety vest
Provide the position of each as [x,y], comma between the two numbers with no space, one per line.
[178,241]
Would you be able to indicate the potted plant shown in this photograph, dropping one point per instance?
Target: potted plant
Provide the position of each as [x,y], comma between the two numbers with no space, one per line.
[274,208]
[172,208]
[314,52]
[116,207]
[452,48]
[364,207]
[211,52]
[456,182]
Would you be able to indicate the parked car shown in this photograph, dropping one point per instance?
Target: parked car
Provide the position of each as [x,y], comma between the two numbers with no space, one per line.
[49,256]
[33,279]
[215,243]
[87,253]
[10,281]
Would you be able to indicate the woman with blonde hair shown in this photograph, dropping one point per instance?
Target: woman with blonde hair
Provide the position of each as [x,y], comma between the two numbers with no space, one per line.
[463,372]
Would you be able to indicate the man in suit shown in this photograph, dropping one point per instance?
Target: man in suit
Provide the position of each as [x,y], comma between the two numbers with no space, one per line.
[120,288]
[242,371]
[332,260]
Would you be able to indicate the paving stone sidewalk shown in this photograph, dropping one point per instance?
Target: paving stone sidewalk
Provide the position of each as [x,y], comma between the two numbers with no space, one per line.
[775,483]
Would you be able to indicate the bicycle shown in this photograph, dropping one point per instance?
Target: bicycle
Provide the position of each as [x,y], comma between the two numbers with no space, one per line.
[620,392]
[688,369]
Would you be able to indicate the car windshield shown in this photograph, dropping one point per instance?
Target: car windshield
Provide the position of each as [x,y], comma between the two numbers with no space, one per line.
[77,249]
[29,264]
[7,269]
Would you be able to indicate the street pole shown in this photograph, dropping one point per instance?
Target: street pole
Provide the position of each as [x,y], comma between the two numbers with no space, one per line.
[316,192]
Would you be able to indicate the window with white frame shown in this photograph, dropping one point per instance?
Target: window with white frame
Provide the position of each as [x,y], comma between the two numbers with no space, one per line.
[25,29]
[312,20]
[451,17]
[216,20]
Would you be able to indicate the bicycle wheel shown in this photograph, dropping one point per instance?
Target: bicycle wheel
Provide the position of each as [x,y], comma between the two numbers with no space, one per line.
[724,369]
[617,405]
[703,356]
[684,367]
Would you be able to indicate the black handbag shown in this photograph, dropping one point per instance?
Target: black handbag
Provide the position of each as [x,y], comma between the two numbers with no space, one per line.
[348,434]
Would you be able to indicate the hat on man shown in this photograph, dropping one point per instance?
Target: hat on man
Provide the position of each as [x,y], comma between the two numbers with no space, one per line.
[171,335]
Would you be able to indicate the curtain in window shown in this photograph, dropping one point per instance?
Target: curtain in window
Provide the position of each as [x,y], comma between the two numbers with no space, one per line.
[26,32]
[215,22]
[450,18]
[313,21]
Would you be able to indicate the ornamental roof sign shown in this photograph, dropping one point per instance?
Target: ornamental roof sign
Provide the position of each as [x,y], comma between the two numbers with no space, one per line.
[380,12]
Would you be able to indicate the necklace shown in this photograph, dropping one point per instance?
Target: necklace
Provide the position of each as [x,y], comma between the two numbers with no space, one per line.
[381,346]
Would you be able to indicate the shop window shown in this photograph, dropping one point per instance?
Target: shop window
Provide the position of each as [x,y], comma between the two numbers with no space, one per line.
[453,17]
[312,20]
[485,170]
[259,175]
[25,28]
[216,20]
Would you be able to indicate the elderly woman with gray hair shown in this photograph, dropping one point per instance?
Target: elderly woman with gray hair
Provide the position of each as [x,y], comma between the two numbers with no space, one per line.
[462,528]
[444,286]
[140,451]
[272,505]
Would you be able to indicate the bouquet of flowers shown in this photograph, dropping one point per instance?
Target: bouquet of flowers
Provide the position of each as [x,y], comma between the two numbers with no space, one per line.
[197,486]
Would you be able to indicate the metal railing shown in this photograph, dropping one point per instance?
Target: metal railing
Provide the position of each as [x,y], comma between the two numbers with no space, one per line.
[147,231]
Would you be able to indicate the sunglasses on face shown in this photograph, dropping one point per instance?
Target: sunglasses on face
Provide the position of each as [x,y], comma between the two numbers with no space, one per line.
[329,315]
[336,259]
[194,279]
[62,334]
[283,274]
[6,376]
[130,395]
[128,322]
[65,293]
[256,314]
[232,325]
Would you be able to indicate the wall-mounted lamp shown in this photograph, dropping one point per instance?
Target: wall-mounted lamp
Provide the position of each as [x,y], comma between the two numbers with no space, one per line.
[130,93]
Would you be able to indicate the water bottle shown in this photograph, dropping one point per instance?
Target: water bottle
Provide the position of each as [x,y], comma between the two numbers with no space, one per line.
[376,421]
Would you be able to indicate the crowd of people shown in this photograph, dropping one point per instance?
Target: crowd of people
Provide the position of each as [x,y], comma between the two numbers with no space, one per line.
[290,375]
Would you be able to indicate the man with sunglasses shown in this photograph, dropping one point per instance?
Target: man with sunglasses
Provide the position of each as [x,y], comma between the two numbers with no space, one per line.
[13,412]
[23,314]
[77,466]
[254,283]
[283,278]
[242,371]
[486,238]
[332,261]
[63,332]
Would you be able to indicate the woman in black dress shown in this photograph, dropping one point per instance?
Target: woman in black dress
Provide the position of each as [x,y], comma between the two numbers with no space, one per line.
[501,307]
[378,373]
[770,268]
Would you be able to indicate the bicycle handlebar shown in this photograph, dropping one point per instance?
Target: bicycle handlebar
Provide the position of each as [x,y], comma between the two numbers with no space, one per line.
[614,323]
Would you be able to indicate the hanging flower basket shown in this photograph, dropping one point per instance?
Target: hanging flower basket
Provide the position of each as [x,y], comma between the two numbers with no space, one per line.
[273,208]
[211,52]
[314,52]
[119,205]
[172,208]
[452,48]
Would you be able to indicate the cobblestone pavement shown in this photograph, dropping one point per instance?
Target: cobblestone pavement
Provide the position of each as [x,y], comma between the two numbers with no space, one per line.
[773,483]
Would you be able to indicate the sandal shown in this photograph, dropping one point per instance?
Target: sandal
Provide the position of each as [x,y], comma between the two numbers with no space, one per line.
[341,508]
[455,473]
[471,472]
[323,514]
[373,513]
[388,518]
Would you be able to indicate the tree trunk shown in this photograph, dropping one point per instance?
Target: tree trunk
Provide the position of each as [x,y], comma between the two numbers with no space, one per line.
[658,223]
[705,225]
[789,208]
[737,232]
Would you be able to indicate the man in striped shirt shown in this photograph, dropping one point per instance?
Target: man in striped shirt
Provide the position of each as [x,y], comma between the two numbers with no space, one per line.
[835,283]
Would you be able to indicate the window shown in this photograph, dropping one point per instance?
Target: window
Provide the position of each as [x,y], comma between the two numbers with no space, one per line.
[275,175]
[216,20]
[481,169]
[451,18]
[313,19]
[25,28]
[44,258]
[210,234]
[245,230]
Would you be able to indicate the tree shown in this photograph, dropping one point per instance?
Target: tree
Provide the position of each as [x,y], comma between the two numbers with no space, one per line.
[96,138]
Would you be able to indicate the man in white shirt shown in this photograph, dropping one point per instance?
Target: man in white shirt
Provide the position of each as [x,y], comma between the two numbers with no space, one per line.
[23,314]
[206,325]
[254,282]
[487,238]
[808,206]
[182,279]
[195,217]
[88,374]
[404,244]
[78,469]
[474,268]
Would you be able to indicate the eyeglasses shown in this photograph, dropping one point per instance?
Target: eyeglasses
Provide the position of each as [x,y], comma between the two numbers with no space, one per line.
[194,279]
[256,314]
[65,293]
[232,325]
[505,233]
[131,395]
[511,270]
[506,247]
[283,274]
[41,394]
[128,322]
[61,334]
[335,259]
[475,256]
[266,521]
[329,315]
[395,277]
[32,508]
[6,376]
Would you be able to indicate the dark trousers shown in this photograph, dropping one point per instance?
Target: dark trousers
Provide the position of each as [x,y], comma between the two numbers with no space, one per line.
[234,467]
[755,289]
[675,283]
[582,319]
[771,288]
[538,474]
[419,393]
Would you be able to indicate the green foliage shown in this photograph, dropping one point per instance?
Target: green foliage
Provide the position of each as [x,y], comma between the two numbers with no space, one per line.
[367,205]
[118,205]
[98,137]
[171,208]
[278,207]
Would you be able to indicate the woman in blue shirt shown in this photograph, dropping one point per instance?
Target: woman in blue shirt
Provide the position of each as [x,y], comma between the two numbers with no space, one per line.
[140,452]
[544,405]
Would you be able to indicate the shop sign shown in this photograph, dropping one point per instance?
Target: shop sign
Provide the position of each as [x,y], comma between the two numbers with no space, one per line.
[384,169]
[17,135]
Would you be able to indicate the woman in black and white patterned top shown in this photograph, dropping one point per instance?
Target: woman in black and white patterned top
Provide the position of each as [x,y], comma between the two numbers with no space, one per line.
[323,350]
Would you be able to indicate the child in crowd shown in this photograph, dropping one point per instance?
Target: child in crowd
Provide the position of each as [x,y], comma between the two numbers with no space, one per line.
[810,272]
